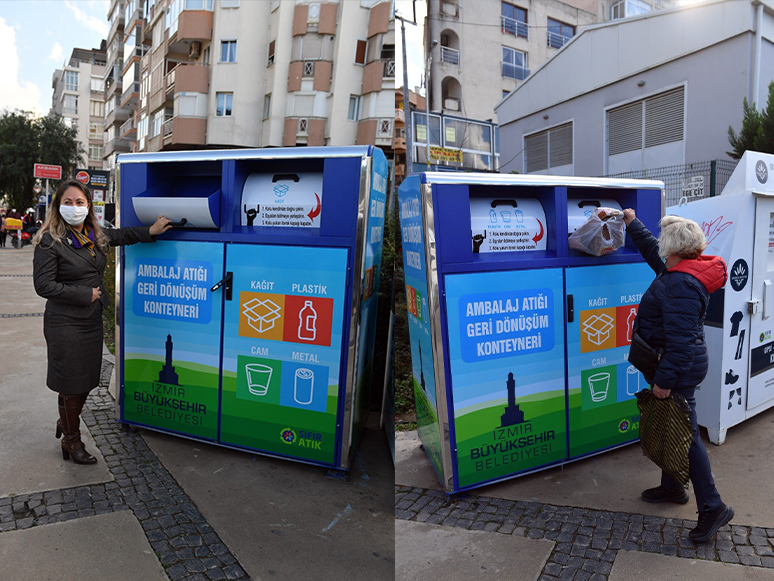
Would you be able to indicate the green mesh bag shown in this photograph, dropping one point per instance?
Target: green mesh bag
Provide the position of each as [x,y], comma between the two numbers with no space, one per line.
[666,432]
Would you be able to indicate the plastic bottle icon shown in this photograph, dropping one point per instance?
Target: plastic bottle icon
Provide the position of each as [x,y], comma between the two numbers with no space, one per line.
[493,216]
[630,324]
[307,322]
[632,380]
[303,386]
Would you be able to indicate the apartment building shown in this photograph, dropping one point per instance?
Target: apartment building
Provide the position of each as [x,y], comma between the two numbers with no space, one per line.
[115,140]
[481,50]
[416,103]
[78,96]
[239,73]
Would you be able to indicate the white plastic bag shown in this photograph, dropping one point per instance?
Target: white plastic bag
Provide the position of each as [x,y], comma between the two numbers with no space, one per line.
[603,233]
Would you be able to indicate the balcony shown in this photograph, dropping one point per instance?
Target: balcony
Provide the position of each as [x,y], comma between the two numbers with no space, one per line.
[135,55]
[183,132]
[400,169]
[399,145]
[450,55]
[187,78]
[517,72]
[116,146]
[557,40]
[117,25]
[400,115]
[129,129]
[130,95]
[192,25]
[514,27]
[117,116]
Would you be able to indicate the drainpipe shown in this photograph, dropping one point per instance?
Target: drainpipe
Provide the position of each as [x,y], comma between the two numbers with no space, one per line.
[757,55]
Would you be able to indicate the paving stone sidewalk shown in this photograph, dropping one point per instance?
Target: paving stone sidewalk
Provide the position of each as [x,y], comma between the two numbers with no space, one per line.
[186,545]
[587,541]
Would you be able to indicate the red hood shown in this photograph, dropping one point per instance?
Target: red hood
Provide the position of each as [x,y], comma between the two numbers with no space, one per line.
[710,271]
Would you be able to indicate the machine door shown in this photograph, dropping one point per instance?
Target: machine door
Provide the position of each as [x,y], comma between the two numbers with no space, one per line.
[283,339]
[761,384]
[171,336]
[602,303]
[506,347]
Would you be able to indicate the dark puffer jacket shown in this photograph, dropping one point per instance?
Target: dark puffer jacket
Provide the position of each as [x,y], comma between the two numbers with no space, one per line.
[672,311]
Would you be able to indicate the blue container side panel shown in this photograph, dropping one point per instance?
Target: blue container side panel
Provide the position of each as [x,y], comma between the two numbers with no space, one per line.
[422,362]
[375,208]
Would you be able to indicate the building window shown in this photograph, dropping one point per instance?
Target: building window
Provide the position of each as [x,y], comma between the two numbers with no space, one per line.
[94,130]
[628,8]
[97,85]
[389,69]
[71,80]
[228,51]
[360,52]
[229,3]
[206,56]
[548,149]
[515,64]
[271,53]
[513,20]
[506,93]
[308,69]
[303,105]
[70,105]
[354,108]
[559,33]
[95,153]
[388,51]
[97,108]
[303,126]
[267,106]
[224,102]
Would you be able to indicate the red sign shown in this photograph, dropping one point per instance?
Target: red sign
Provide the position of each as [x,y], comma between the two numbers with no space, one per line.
[82,177]
[44,171]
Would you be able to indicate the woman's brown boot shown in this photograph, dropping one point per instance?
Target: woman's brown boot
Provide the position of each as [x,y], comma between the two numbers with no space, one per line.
[72,447]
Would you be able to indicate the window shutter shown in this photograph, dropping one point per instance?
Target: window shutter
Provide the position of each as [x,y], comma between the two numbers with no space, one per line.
[560,145]
[536,151]
[624,128]
[664,116]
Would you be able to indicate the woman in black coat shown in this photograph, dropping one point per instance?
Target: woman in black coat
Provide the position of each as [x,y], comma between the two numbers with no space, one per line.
[68,265]
[671,318]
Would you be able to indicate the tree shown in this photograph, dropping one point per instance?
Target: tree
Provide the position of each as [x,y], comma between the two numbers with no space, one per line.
[751,121]
[26,140]
[764,139]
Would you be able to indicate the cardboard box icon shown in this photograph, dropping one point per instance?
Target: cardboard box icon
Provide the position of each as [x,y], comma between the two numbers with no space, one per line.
[598,327]
[261,315]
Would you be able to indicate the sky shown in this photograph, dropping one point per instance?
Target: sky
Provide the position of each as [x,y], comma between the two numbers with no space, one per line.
[36,38]
[414,46]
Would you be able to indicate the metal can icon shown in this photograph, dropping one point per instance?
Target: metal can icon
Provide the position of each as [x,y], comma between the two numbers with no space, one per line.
[303,388]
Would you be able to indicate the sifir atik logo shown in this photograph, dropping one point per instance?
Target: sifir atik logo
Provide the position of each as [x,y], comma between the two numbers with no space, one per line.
[739,275]
[304,438]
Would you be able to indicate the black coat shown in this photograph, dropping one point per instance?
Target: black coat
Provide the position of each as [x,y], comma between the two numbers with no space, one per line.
[72,323]
[672,311]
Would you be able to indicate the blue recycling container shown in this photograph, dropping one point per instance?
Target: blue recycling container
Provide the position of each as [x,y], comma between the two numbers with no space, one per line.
[251,324]
[519,342]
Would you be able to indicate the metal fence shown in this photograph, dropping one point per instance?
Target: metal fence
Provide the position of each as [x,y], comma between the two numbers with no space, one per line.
[693,181]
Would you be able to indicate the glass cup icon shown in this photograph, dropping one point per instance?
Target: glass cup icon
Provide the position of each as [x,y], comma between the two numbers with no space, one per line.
[258,378]
[598,384]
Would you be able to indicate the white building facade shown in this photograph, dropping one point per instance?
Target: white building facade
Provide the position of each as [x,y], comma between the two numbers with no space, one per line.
[657,90]
[78,89]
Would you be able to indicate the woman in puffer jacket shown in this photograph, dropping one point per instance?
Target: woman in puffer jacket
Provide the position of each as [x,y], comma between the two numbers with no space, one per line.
[671,317]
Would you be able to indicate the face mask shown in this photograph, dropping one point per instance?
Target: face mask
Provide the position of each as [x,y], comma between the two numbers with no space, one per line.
[74,215]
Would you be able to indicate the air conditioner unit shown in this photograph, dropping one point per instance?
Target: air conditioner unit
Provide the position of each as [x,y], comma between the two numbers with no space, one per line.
[195,50]
[451,104]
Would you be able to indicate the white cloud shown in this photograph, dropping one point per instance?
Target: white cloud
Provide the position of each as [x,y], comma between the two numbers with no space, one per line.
[15,93]
[98,24]
[57,53]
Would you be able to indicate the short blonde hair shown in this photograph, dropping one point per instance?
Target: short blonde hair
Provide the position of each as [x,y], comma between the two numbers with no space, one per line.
[681,237]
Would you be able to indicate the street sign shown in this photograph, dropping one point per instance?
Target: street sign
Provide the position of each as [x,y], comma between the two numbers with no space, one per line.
[693,187]
[44,171]
[41,199]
